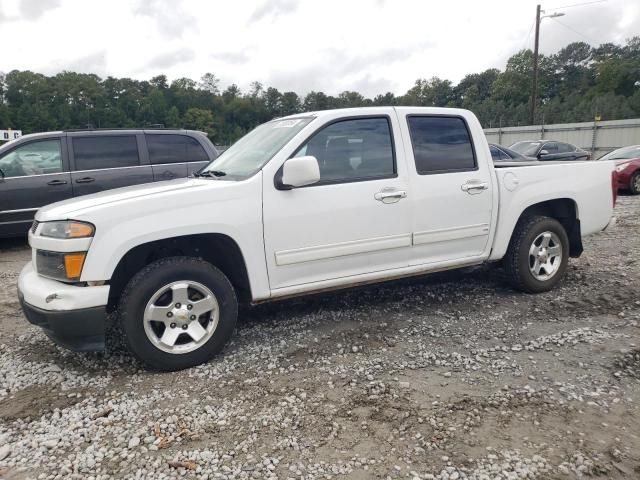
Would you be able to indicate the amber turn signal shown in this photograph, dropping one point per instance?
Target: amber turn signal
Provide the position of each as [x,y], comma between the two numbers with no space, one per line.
[73,263]
[80,230]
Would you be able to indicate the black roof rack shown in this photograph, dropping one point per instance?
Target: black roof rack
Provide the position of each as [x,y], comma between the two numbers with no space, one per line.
[148,127]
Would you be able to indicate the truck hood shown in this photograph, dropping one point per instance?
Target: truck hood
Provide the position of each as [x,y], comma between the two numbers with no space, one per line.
[119,197]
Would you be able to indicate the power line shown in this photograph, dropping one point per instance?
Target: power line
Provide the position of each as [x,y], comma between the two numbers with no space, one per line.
[574,31]
[576,5]
[524,45]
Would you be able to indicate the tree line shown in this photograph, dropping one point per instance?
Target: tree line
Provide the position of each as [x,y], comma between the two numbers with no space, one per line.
[575,84]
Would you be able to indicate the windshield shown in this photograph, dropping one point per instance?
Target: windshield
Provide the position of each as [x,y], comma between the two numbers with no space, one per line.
[249,154]
[626,153]
[528,149]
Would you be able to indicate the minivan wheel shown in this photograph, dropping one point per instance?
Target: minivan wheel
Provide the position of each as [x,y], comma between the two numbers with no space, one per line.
[538,254]
[178,312]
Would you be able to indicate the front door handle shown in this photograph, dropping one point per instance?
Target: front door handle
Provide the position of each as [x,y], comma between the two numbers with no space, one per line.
[473,187]
[85,180]
[390,195]
[57,182]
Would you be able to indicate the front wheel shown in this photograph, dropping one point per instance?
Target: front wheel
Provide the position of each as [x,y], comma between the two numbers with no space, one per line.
[178,312]
[538,254]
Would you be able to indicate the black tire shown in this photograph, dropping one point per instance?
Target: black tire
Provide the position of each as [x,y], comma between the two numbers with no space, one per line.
[153,277]
[634,183]
[516,261]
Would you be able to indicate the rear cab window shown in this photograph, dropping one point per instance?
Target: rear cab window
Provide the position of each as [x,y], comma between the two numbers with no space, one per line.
[441,144]
[105,151]
[174,148]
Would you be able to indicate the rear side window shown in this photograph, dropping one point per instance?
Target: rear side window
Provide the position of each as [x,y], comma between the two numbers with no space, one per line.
[441,144]
[175,149]
[109,151]
[565,148]
[498,155]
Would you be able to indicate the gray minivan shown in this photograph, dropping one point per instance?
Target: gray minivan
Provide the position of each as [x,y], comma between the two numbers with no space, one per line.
[42,168]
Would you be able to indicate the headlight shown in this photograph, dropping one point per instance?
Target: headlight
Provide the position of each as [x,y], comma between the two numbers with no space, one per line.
[67,229]
[60,265]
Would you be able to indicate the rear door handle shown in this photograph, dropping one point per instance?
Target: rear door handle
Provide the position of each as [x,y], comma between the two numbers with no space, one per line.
[390,195]
[473,187]
[57,182]
[85,180]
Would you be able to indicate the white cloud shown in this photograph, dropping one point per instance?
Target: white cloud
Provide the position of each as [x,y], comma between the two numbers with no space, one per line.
[372,46]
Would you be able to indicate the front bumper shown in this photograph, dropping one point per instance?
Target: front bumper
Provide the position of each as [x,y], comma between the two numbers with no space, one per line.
[74,317]
[78,330]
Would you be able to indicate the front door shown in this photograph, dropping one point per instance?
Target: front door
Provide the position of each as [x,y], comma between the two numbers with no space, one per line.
[452,188]
[32,175]
[354,221]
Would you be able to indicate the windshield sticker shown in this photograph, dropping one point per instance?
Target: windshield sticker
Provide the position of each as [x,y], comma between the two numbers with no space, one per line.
[286,123]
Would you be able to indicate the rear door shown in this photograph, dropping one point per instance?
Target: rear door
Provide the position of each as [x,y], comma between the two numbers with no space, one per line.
[35,174]
[105,161]
[451,186]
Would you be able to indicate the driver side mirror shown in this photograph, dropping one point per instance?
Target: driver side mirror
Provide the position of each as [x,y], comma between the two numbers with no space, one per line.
[298,172]
[543,153]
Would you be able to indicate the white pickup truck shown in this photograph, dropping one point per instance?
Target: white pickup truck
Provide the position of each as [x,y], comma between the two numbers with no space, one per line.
[303,204]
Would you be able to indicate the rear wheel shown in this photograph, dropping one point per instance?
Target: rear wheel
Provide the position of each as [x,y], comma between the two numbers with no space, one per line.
[634,184]
[538,254]
[178,312]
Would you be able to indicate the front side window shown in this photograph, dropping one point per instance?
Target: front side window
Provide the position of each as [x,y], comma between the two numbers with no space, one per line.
[350,150]
[34,158]
[174,149]
[441,144]
[551,147]
[109,151]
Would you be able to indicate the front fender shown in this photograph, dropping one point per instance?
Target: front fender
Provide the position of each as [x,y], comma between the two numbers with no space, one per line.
[235,212]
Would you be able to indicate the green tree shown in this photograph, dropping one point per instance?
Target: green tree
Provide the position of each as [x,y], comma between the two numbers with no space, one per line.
[172,120]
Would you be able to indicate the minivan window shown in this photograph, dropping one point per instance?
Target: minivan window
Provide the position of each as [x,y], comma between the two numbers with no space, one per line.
[106,151]
[441,144]
[34,158]
[174,149]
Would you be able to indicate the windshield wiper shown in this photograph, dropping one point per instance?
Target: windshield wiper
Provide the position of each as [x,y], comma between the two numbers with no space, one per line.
[210,173]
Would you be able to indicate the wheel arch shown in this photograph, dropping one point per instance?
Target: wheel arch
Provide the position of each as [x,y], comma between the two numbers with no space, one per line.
[565,210]
[218,249]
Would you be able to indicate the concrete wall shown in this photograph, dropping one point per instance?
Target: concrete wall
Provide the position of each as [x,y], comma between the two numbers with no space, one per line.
[595,137]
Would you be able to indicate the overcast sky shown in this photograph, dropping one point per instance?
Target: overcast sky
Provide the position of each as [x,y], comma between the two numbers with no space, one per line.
[371,46]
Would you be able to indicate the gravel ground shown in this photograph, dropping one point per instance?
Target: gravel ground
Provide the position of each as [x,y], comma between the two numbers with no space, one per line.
[452,376]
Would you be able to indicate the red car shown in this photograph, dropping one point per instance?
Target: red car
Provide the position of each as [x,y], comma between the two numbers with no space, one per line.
[627,166]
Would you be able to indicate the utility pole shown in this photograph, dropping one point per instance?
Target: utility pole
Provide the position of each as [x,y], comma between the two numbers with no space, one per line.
[534,89]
